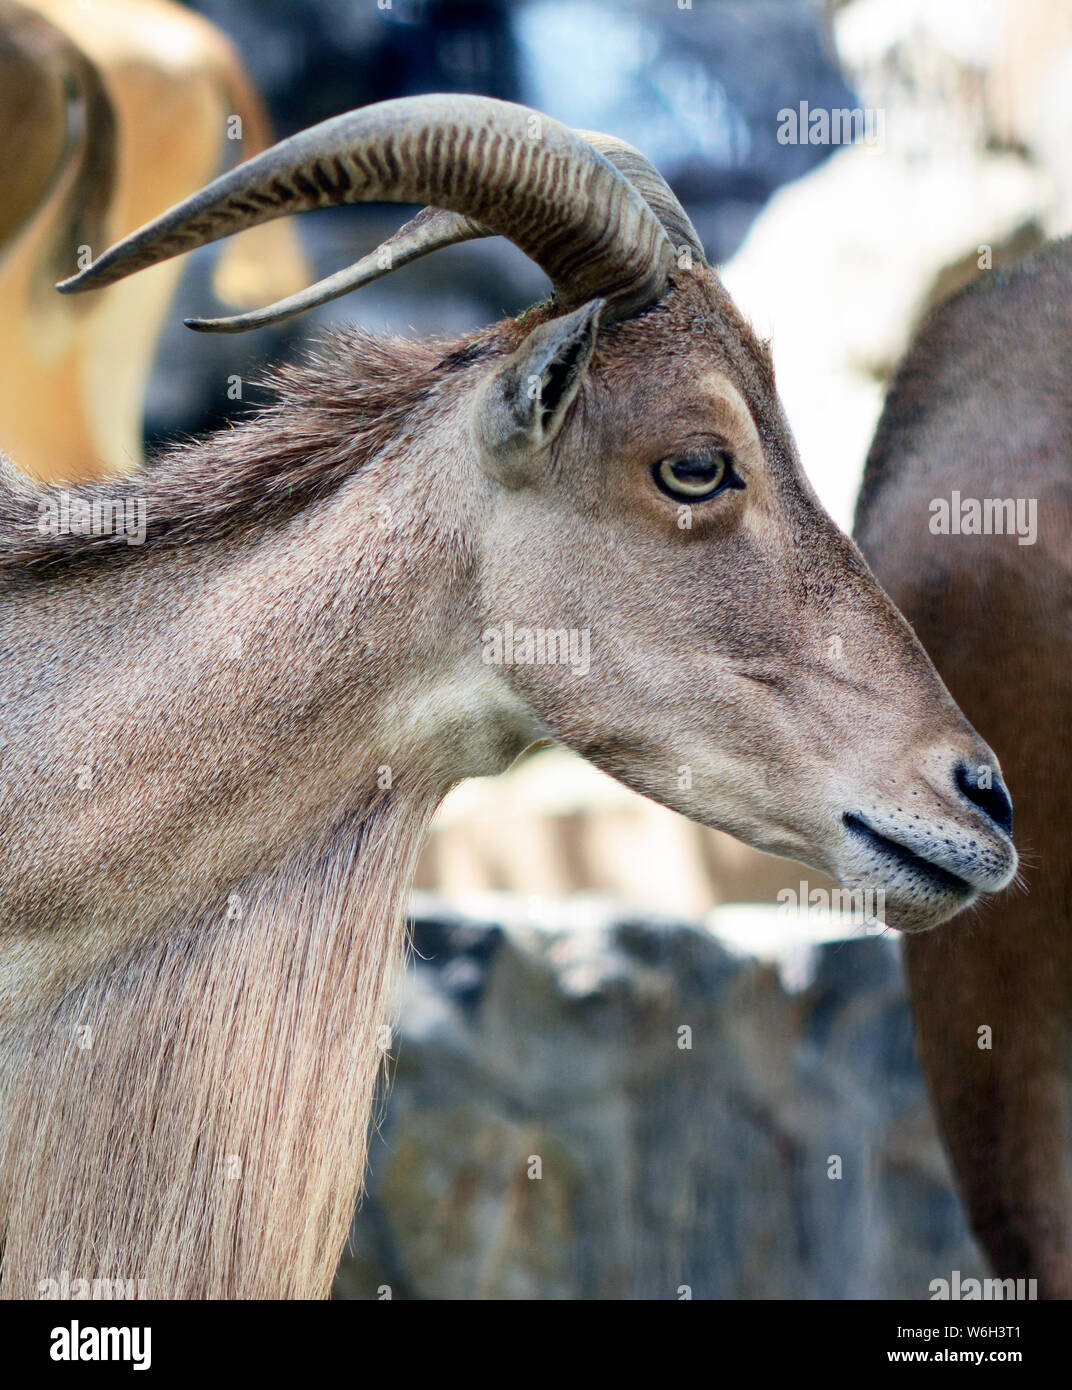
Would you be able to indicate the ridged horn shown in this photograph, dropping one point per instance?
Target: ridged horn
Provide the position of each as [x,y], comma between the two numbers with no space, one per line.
[638,169]
[516,172]
[434,228]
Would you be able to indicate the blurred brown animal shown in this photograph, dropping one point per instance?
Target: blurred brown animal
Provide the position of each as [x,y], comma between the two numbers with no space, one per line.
[983,406]
[107,112]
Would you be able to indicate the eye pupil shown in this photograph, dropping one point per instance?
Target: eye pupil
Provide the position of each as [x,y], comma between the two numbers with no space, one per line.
[692,478]
[694,472]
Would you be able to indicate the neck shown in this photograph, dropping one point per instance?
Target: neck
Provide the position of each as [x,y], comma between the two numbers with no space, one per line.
[223,1073]
[179,719]
[212,808]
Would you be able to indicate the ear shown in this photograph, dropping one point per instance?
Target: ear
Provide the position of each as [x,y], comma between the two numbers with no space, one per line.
[520,407]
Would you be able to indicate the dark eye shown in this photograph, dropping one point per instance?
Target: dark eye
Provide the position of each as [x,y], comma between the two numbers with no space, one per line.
[694,477]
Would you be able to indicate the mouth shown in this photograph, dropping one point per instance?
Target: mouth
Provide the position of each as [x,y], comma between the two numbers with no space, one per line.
[899,854]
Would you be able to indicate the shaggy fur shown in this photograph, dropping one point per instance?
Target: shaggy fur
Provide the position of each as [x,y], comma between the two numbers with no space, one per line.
[188,1050]
[220,750]
[203,1089]
[185,1081]
[266,469]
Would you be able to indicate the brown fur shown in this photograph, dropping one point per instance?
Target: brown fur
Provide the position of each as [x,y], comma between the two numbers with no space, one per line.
[212,1115]
[263,704]
[983,404]
[343,405]
[254,1036]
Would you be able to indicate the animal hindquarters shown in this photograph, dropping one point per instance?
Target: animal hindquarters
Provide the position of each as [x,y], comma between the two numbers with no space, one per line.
[982,407]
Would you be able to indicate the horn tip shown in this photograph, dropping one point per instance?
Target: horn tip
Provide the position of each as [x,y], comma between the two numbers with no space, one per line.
[74,283]
[209,325]
[238,323]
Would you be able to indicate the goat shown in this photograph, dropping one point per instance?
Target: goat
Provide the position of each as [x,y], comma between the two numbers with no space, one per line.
[221,748]
[88,98]
[981,407]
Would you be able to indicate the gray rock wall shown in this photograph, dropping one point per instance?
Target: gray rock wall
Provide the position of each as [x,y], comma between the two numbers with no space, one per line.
[548,1135]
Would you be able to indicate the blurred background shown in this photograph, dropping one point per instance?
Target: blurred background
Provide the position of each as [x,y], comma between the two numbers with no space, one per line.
[623,1069]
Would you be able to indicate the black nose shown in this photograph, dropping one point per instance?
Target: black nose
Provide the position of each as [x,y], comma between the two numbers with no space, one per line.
[983,787]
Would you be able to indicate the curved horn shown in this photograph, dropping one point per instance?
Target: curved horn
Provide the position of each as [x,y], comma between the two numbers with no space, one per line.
[652,187]
[522,175]
[435,228]
[431,230]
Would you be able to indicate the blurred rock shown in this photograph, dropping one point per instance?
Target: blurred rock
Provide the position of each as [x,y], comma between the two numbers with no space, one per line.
[523,1051]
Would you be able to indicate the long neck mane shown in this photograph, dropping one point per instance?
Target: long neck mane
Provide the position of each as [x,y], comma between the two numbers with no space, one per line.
[193,1115]
[341,404]
[199,938]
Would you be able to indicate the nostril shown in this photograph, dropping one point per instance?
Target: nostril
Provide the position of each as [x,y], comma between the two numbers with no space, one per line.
[983,787]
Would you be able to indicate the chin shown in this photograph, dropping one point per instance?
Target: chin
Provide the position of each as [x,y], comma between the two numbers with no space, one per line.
[911,916]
